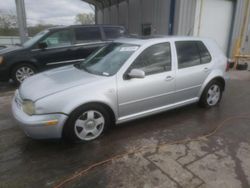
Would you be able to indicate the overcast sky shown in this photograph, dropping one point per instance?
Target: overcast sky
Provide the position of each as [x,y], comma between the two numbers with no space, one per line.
[57,12]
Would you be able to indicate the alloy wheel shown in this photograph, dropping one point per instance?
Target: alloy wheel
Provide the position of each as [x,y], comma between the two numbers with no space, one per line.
[24,72]
[89,125]
[213,95]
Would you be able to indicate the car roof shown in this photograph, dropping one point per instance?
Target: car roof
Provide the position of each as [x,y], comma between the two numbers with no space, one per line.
[137,40]
[85,25]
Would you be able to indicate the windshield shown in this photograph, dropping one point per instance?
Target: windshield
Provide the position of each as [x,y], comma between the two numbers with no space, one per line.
[34,39]
[109,59]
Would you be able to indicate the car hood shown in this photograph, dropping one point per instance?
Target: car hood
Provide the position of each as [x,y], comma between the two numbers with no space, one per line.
[53,81]
[10,49]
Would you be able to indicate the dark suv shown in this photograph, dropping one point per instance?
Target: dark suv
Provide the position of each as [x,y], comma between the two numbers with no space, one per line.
[55,47]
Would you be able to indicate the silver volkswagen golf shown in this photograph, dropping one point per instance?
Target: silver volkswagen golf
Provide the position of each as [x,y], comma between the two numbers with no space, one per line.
[125,80]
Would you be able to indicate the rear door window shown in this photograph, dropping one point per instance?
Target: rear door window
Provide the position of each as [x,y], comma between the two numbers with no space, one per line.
[87,34]
[191,53]
[113,32]
[188,54]
[59,39]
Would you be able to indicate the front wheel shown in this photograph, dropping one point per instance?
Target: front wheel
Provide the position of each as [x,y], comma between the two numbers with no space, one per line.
[86,123]
[21,72]
[212,94]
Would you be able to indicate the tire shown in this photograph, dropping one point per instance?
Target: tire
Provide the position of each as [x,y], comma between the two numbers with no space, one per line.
[20,72]
[86,123]
[211,95]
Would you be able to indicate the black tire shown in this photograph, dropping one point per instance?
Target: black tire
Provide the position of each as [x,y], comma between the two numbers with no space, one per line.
[18,67]
[69,132]
[204,97]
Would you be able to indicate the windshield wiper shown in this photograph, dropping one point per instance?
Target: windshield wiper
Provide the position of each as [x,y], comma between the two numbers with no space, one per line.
[77,65]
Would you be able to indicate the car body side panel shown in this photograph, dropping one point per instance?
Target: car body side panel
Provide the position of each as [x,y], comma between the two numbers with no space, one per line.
[190,80]
[214,74]
[138,95]
[219,64]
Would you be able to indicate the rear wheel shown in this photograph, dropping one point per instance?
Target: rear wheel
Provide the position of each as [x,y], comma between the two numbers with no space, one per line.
[86,123]
[212,94]
[21,72]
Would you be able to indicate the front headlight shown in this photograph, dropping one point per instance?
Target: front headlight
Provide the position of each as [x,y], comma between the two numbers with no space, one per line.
[1,60]
[28,107]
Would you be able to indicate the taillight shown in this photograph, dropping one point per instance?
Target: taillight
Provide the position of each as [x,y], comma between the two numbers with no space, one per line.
[229,61]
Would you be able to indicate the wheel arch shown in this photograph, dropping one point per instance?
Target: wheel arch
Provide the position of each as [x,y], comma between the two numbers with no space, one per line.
[14,65]
[106,106]
[219,78]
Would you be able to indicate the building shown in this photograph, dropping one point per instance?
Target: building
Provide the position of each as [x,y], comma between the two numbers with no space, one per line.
[227,21]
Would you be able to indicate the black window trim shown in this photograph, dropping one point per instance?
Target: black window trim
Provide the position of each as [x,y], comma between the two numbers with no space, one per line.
[199,51]
[109,26]
[112,27]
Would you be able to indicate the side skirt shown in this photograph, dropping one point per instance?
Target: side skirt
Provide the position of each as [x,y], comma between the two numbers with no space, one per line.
[156,110]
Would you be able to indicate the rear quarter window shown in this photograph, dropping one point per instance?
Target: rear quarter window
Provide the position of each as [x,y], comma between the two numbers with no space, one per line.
[113,32]
[204,53]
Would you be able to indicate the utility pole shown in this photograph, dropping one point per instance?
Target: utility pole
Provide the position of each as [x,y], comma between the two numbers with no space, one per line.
[21,20]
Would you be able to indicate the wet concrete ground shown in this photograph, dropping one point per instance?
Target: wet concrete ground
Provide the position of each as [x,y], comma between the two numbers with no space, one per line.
[221,160]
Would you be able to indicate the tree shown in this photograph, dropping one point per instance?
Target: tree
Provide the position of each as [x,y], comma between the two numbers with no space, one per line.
[85,18]
[39,27]
[8,20]
[8,23]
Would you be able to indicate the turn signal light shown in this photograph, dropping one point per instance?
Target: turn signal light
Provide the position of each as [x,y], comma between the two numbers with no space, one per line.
[51,122]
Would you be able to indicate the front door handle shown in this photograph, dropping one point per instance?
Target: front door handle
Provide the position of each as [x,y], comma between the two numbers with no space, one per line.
[169,78]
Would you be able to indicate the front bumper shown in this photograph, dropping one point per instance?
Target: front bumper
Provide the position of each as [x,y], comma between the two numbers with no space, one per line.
[35,126]
[4,74]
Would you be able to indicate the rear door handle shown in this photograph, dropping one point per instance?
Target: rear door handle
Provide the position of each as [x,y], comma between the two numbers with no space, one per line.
[169,78]
[206,69]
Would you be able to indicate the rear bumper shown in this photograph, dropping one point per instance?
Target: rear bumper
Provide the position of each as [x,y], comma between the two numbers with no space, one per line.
[35,126]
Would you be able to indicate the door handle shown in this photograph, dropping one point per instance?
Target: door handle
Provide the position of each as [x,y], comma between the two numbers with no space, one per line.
[169,78]
[206,69]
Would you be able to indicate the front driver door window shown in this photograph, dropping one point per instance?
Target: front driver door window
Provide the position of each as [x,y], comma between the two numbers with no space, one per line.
[59,39]
[155,59]
[59,49]
[156,89]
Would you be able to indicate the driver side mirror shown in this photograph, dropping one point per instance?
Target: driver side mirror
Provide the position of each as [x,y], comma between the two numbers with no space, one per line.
[42,45]
[136,73]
